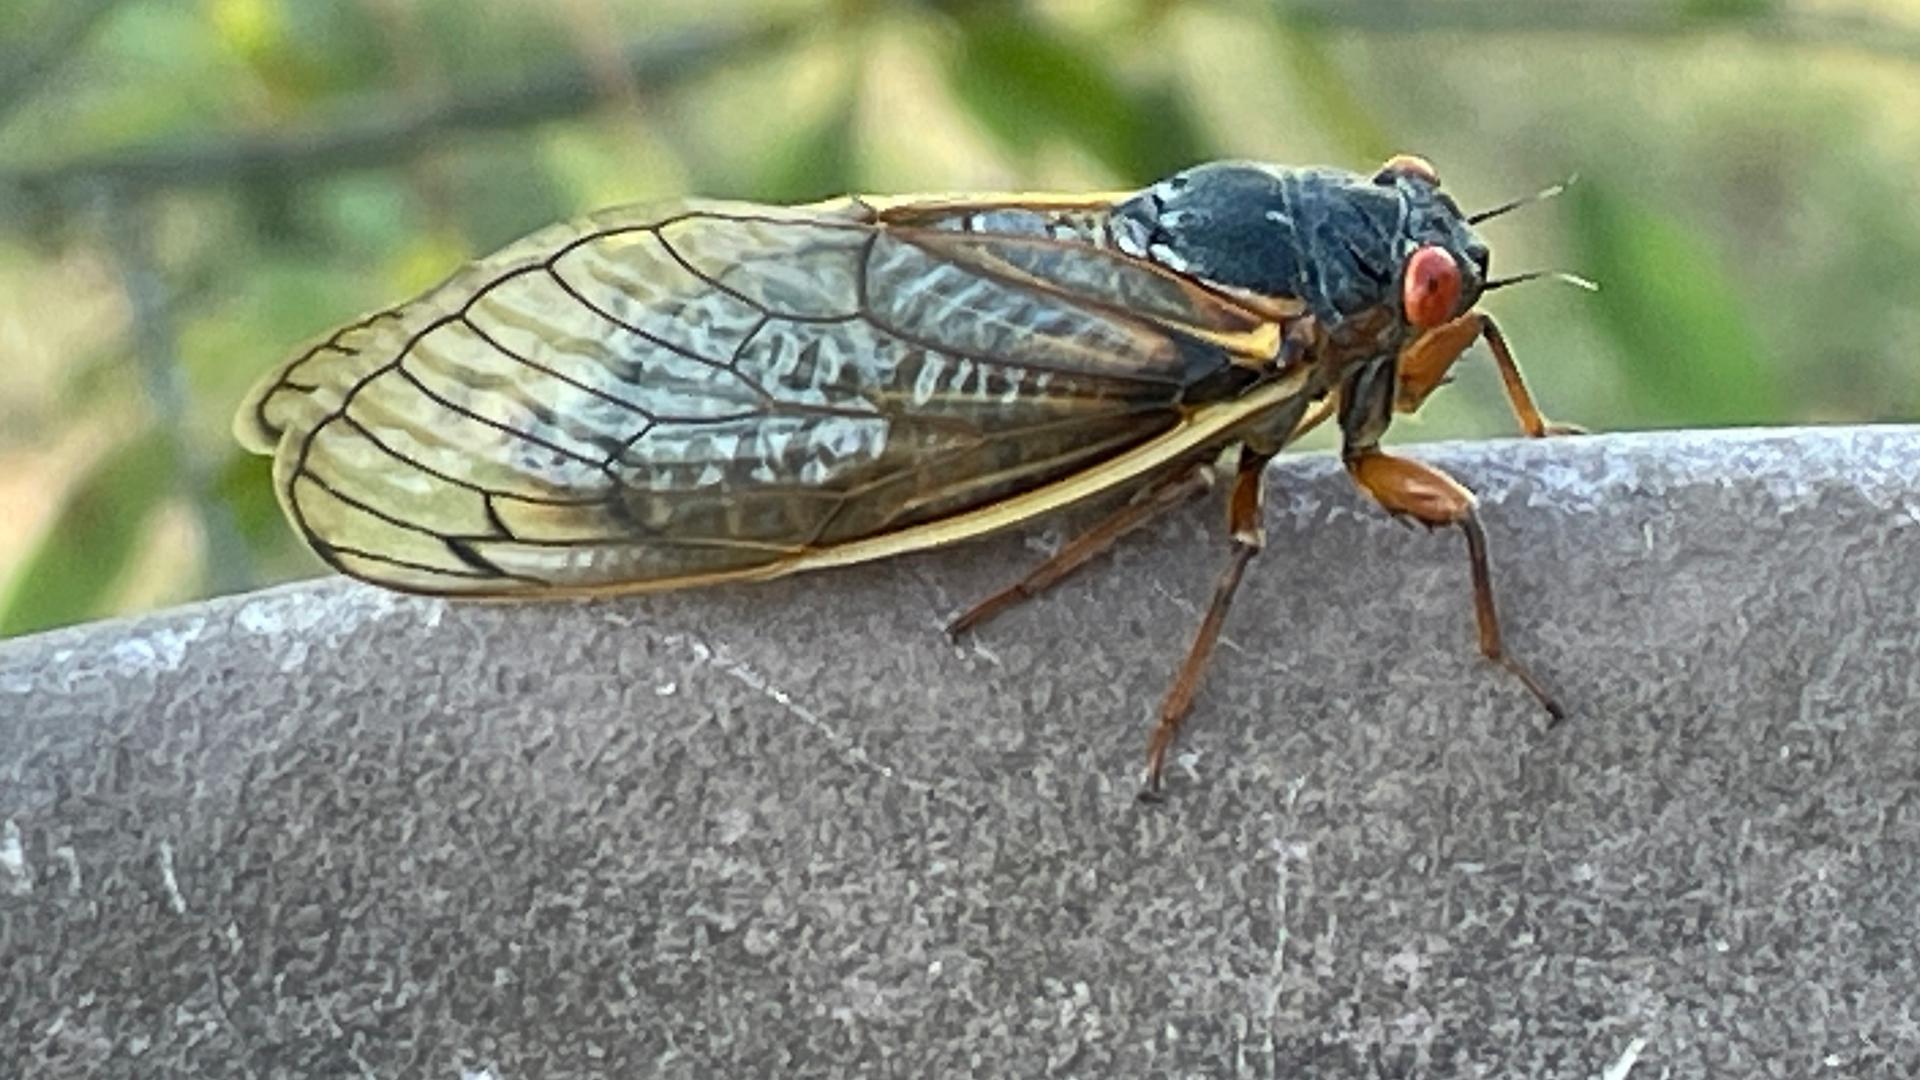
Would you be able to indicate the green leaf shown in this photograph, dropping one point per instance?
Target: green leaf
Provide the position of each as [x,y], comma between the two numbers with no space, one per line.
[1685,336]
[1328,98]
[1705,10]
[1026,83]
[244,483]
[71,574]
[819,160]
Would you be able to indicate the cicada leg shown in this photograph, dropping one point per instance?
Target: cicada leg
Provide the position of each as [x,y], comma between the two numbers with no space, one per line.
[1425,363]
[1407,488]
[1247,536]
[1161,497]
[1432,497]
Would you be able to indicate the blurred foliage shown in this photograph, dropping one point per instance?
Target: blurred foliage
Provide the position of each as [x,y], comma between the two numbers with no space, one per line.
[272,167]
[1668,298]
[92,540]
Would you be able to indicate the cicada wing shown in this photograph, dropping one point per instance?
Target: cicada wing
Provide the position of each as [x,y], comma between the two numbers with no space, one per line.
[1117,283]
[661,396]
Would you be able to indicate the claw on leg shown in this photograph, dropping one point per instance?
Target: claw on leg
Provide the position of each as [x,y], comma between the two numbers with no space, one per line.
[1179,700]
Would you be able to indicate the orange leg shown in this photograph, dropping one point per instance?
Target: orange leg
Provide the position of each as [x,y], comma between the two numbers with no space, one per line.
[1432,497]
[1082,549]
[1425,363]
[1248,537]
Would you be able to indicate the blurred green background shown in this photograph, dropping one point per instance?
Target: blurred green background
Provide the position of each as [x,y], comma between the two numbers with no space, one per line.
[190,188]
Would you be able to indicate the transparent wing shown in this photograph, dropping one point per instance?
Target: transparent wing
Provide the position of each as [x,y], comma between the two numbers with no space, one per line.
[659,396]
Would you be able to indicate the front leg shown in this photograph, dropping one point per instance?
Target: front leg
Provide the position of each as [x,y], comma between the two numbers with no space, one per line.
[1425,363]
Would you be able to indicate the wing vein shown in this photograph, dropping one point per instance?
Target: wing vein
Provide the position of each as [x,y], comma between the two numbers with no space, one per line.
[580,298]
[1015,276]
[701,275]
[510,354]
[475,574]
[508,429]
[883,325]
[478,489]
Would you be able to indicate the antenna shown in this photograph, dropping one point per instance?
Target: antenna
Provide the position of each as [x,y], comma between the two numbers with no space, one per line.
[1533,275]
[1539,196]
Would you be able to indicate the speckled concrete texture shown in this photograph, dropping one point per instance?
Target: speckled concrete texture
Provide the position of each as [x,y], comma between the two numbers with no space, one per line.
[790,830]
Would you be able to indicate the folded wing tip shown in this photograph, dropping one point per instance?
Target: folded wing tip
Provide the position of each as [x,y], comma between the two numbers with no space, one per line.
[250,427]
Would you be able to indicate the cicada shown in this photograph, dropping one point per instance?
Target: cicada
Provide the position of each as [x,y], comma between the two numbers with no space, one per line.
[655,397]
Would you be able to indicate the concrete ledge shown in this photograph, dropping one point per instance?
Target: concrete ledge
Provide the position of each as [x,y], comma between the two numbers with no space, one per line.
[790,830]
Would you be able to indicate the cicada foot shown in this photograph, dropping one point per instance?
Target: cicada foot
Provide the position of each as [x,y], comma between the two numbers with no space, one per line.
[1179,699]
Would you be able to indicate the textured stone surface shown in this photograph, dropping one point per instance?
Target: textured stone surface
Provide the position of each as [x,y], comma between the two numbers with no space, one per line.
[790,830]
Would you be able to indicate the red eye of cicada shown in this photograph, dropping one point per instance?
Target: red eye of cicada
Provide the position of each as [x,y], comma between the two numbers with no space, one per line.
[1431,288]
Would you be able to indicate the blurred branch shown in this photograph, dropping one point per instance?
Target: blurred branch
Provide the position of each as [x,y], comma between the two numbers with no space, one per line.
[382,136]
[25,67]
[1760,21]
[227,565]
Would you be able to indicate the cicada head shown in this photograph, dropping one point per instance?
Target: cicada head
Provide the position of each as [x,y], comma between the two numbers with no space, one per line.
[1443,262]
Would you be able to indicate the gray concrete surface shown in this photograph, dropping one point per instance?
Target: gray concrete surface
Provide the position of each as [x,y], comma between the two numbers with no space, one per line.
[789,830]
